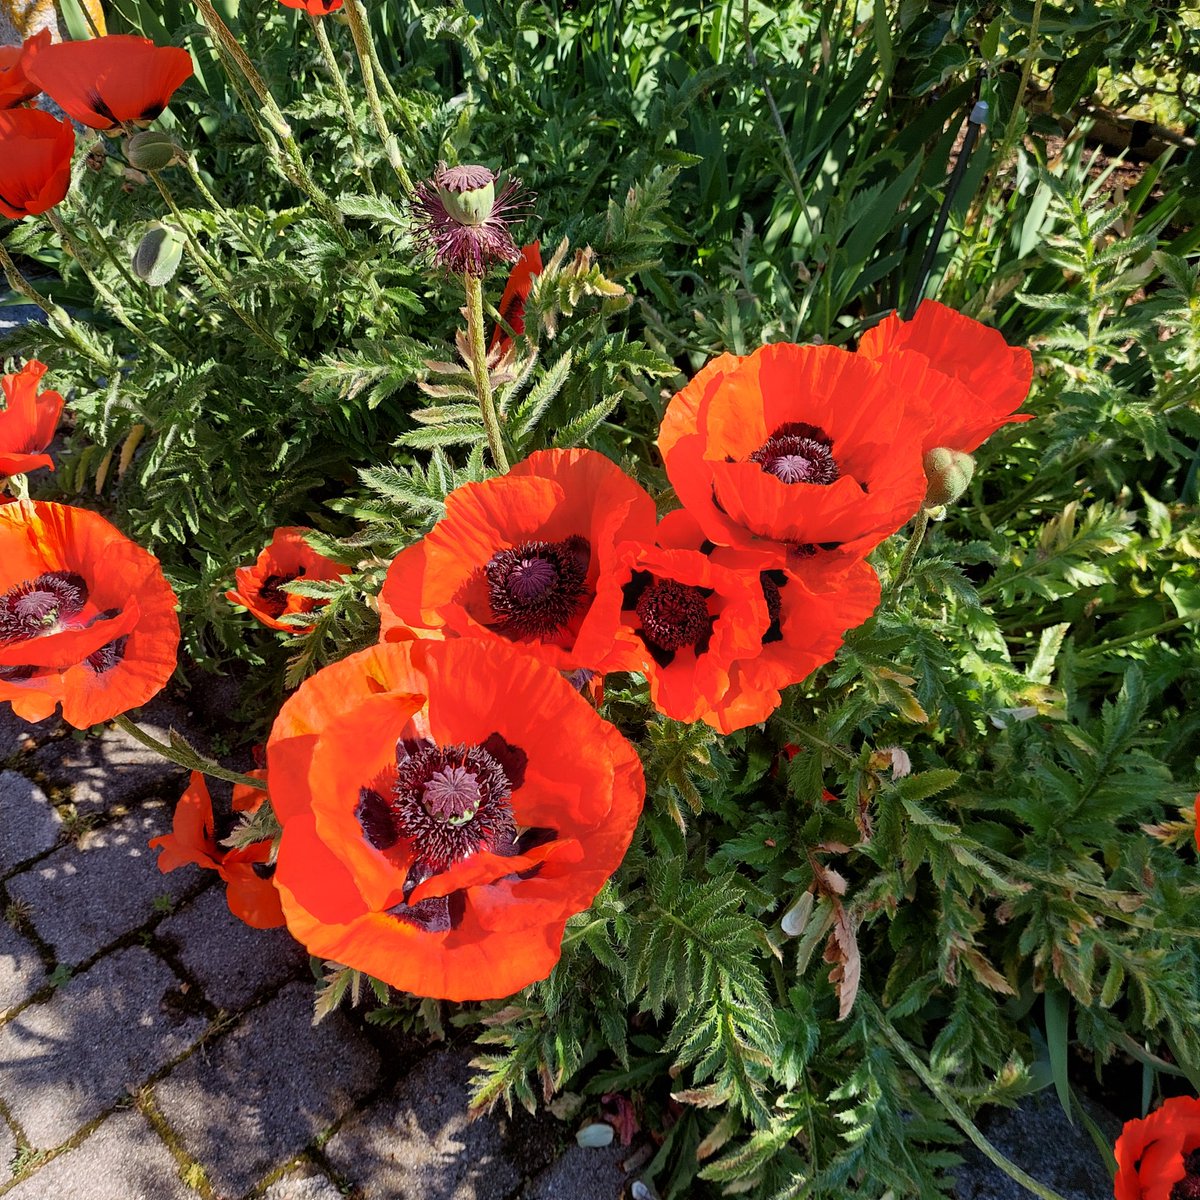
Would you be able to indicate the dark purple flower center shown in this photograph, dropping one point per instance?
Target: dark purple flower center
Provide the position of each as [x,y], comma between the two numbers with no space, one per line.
[672,615]
[798,453]
[272,597]
[537,587]
[110,653]
[41,605]
[1188,1188]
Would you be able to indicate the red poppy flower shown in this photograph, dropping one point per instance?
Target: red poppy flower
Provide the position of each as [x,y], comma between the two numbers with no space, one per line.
[692,619]
[446,807]
[795,446]
[516,292]
[992,377]
[519,559]
[810,606]
[107,81]
[15,88]
[28,421]
[250,894]
[314,8]
[86,618]
[1158,1156]
[35,167]
[288,557]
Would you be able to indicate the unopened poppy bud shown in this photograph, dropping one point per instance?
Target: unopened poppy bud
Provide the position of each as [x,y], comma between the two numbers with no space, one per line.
[949,474]
[152,150]
[158,254]
[468,193]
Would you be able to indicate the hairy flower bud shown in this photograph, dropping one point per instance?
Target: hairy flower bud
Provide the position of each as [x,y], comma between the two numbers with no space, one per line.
[949,473]
[158,254]
[152,150]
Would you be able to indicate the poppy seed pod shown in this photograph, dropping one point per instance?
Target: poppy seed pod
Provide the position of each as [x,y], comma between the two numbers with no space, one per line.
[469,193]
[158,255]
[152,150]
[949,473]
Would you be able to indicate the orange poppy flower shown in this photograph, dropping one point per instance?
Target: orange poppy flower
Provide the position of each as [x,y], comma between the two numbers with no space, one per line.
[979,380]
[107,81]
[692,619]
[314,8]
[516,292]
[35,168]
[288,557]
[794,446]
[15,88]
[28,421]
[86,618]
[810,606]
[251,895]
[1158,1156]
[446,807]
[519,558]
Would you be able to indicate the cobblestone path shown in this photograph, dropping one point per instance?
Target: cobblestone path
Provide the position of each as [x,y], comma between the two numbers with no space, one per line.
[154,1048]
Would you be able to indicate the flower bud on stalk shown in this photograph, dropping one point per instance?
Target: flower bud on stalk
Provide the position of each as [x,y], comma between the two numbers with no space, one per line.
[949,473]
[158,255]
[152,150]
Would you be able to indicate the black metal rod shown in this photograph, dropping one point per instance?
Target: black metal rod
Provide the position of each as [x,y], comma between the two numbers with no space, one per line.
[975,121]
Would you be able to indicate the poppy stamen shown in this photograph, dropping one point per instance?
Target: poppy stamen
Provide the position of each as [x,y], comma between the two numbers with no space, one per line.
[536,588]
[272,596]
[798,453]
[674,615]
[450,801]
[42,605]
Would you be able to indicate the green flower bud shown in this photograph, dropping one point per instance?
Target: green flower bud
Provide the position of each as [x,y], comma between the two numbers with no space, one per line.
[158,254]
[949,474]
[152,150]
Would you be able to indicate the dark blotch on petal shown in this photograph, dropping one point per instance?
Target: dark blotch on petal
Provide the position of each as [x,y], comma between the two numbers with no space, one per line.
[512,758]
[375,816]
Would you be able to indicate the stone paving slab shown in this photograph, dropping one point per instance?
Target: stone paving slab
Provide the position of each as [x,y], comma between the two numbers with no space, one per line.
[8,1147]
[123,1159]
[86,895]
[62,1063]
[28,823]
[580,1174]
[232,962]
[420,1144]
[258,1096]
[17,734]
[302,1187]
[106,771]
[21,971]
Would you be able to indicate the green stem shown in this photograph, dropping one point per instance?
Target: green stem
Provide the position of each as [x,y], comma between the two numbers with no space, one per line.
[290,160]
[186,756]
[362,47]
[211,271]
[479,370]
[910,552]
[339,84]
[189,165]
[1140,635]
[952,1107]
[1031,53]
[58,317]
[101,289]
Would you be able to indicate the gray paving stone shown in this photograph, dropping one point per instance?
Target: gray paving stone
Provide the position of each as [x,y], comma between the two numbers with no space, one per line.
[85,895]
[258,1096]
[583,1175]
[21,972]
[301,1187]
[122,1159]
[109,770]
[1037,1137]
[420,1144]
[8,1147]
[62,1063]
[231,961]
[28,823]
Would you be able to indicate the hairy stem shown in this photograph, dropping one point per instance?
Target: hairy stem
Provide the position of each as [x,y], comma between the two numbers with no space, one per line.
[479,370]
[339,84]
[178,751]
[910,552]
